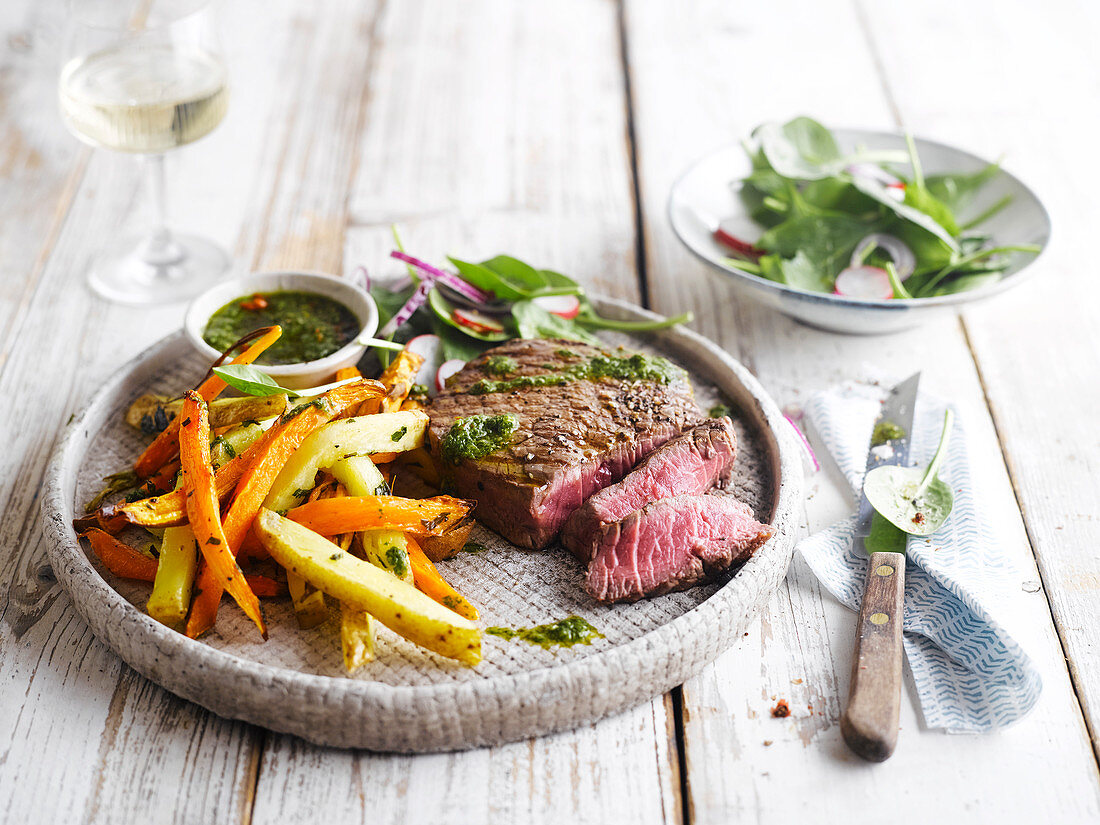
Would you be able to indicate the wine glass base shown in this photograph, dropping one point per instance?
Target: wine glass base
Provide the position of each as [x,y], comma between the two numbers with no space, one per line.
[126,273]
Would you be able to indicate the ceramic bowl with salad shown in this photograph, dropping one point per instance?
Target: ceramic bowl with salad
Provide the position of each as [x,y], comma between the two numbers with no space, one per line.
[857,231]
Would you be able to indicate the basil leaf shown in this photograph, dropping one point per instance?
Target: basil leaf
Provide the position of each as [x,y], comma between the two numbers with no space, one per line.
[249,380]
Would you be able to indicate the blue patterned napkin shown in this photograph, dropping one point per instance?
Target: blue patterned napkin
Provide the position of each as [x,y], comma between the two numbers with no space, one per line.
[971,676]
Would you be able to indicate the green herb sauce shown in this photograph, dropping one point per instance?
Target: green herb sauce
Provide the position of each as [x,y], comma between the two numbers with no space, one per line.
[477,436]
[564,633]
[397,560]
[886,431]
[719,410]
[473,547]
[500,365]
[636,367]
[314,326]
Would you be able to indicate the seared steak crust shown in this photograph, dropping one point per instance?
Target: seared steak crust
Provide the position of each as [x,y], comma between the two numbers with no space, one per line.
[572,440]
[692,463]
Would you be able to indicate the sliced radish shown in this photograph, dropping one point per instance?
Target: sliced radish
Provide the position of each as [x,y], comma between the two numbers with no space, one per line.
[477,321]
[567,306]
[430,348]
[902,256]
[868,282]
[446,370]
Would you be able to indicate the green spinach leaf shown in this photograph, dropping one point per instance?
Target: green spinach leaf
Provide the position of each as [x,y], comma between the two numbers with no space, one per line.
[249,380]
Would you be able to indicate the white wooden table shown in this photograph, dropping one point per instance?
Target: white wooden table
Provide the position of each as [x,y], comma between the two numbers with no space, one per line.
[553,130]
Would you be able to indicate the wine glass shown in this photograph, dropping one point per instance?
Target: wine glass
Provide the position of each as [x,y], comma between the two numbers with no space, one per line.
[146,76]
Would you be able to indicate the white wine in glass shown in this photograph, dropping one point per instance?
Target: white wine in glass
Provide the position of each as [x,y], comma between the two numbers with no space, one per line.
[145,79]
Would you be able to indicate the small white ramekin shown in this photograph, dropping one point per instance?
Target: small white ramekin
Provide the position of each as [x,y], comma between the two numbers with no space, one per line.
[307,373]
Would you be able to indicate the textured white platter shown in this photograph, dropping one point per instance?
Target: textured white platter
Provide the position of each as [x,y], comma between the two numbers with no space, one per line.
[411,700]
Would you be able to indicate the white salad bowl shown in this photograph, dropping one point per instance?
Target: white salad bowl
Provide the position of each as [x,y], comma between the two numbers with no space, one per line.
[307,373]
[708,189]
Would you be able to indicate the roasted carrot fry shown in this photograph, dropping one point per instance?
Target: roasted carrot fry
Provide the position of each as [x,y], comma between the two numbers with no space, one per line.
[397,378]
[166,445]
[164,479]
[120,558]
[265,587]
[270,454]
[424,517]
[429,582]
[344,373]
[203,509]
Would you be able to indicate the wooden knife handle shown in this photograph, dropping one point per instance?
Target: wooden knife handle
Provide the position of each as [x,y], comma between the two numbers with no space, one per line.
[870,722]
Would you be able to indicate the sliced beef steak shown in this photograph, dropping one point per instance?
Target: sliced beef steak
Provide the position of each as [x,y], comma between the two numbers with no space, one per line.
[586,416]
[672,544]
[691,463]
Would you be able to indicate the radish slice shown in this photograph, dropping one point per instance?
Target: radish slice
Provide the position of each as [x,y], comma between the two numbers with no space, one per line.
[430,348]
[445,371]
[567,306]
[902,256]
[477,321]
[453,281]
[868,282]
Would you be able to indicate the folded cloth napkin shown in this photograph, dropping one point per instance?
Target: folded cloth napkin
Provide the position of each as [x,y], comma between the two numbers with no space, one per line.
[970,675]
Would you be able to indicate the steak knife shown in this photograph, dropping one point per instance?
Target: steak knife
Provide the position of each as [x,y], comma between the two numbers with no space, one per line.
[870,721]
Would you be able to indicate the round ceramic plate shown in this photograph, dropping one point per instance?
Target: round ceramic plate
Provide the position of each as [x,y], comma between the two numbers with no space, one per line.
[409,699]
[708,191]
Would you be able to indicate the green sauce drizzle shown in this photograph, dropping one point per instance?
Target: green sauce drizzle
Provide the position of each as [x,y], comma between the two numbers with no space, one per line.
[397,560]
[886,431]
[314,326]
[477,436]
[636,367]
[719,410]
[501,365]
[564,633]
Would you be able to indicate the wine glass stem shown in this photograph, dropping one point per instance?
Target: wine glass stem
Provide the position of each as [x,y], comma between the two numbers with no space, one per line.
[160,250]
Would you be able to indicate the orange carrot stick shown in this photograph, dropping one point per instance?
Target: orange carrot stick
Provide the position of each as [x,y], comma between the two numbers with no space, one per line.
[421,517]
[429,582]
[165,445]
[120,558]
[203,509]
[273,451]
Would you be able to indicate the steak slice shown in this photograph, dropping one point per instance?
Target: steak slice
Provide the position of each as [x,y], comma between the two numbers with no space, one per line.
[575,435]
[672,544]
[691,463]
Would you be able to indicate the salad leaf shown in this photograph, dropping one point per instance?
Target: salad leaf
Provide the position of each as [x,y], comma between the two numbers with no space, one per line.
[799,272]
[826,243]
[485,278]
[532,321]
[455,344]
[444,311]
[958,190]
[249,380]
[907,212]
[801,148]
[915,501]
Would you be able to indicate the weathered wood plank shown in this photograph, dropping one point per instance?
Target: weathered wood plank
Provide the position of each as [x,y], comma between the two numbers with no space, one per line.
[119,748]
[521,151]
[1036,347]
[702,77]
[40,163]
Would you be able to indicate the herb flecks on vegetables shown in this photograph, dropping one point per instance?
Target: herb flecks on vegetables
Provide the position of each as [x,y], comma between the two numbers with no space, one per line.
[821,208]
